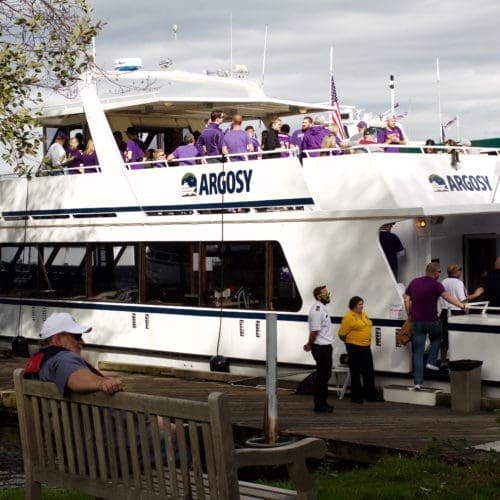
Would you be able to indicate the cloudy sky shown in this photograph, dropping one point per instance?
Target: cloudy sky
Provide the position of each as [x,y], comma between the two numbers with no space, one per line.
[370,40]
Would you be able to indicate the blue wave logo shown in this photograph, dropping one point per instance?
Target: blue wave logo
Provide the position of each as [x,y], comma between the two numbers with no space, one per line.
[189,184]
[438,183]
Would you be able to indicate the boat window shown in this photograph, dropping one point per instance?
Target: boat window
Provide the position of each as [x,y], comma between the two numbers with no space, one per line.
[172,273]
[115,273]
[41,271]
[244,275]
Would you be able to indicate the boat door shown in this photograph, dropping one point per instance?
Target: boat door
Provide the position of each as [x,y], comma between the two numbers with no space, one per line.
[480,252]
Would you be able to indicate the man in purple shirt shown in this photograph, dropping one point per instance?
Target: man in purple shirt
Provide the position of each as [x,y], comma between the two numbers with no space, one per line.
[298,135]
[134,151]
[255,143]
[421,298]
[392,246]
[391,134]
[186,154]
[313,137]
[211,139]
[237,140]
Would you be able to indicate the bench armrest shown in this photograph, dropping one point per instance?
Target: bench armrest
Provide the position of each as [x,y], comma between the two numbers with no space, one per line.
[293,456]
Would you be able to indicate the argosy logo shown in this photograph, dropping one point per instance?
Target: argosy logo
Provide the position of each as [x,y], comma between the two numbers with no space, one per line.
[460,183]
[237,181]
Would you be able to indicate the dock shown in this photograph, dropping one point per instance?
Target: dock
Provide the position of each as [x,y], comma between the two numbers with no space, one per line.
[360,433]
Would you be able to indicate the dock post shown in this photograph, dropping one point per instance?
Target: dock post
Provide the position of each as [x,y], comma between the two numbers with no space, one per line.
[271,417]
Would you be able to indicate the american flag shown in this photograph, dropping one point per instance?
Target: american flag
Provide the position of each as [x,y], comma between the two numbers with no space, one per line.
[336,116]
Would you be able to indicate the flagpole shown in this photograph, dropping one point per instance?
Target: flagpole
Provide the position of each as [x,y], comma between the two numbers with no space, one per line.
[441,131]
[458,129]
[331,73]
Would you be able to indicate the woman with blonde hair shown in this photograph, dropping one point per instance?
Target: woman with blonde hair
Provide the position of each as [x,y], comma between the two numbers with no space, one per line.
[89,158]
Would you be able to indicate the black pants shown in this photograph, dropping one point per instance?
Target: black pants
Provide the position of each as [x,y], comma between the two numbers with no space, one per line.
[361,365]
[322,354]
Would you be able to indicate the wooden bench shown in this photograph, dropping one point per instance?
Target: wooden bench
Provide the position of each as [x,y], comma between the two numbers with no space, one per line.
[111,447]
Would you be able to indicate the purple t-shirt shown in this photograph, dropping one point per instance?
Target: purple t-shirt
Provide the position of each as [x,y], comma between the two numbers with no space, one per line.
[212,138]
[285,142]
[90,160]
[313,138]
[391,245]
[237,141]
[137,154]
[186,151]
[382,136]
[424,293]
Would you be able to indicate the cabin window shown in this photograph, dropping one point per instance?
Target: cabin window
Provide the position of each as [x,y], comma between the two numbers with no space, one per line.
[115,273]
[172,273]
[244,275]
[43,271]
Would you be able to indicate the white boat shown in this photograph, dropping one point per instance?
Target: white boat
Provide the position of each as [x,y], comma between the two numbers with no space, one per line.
[169,276]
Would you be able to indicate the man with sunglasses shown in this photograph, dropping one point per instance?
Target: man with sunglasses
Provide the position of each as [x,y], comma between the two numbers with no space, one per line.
[320,344]
[60,360]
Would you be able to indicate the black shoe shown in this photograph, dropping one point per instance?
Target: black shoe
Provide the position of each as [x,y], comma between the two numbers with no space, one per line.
[375,399]
[323,409]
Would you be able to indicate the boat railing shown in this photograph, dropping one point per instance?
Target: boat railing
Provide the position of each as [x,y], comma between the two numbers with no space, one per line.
[413,148]
[229,158]
[480,307]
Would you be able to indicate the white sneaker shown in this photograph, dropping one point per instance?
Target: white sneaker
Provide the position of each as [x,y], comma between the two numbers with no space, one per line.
[416,387]
[434,368]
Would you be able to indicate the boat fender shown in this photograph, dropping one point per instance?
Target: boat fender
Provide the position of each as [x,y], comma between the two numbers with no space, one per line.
[20,347]
[219,364]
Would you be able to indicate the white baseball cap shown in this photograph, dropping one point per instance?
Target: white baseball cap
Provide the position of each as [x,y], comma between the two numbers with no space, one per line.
[61,323]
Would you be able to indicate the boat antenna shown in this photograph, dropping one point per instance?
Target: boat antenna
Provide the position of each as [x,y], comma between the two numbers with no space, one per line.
[391,87]
[231,45]
[264,60]
[441,129]
[175,28]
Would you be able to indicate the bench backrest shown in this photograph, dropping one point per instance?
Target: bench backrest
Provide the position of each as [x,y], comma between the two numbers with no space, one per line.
[111,446]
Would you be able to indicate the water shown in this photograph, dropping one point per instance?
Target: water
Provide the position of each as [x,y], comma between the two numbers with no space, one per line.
[11,458]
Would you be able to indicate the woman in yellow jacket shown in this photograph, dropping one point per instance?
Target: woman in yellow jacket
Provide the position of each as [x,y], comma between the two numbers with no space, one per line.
[356,331]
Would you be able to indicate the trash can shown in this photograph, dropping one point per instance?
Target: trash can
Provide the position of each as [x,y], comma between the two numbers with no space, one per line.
[465,377]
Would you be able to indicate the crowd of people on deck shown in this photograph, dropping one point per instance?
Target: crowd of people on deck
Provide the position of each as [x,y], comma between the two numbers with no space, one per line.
[314,138]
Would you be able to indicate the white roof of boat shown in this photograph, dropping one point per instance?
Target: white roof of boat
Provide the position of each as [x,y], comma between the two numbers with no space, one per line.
[179,108]
[174,108]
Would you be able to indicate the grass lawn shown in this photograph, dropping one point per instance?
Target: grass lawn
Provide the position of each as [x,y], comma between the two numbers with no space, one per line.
[442,472]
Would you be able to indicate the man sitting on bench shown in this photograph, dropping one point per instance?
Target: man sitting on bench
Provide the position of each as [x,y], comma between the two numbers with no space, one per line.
[61,362]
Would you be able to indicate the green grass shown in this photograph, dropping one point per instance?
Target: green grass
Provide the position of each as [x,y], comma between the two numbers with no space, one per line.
[452,473]
[443,472]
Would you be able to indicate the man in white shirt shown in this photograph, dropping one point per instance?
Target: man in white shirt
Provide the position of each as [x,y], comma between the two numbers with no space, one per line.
[455,286]
[320,344]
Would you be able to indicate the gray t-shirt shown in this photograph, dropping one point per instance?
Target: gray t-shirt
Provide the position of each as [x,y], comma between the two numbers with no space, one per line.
[59,367]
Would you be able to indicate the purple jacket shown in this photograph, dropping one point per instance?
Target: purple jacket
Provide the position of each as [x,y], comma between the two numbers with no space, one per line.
[313,137]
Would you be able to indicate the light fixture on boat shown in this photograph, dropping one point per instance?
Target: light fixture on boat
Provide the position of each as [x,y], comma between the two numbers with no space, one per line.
[168,104]
[128,64]
[421,223]
[303,111]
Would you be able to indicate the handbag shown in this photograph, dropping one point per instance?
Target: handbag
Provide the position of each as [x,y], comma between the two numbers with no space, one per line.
[404,335]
